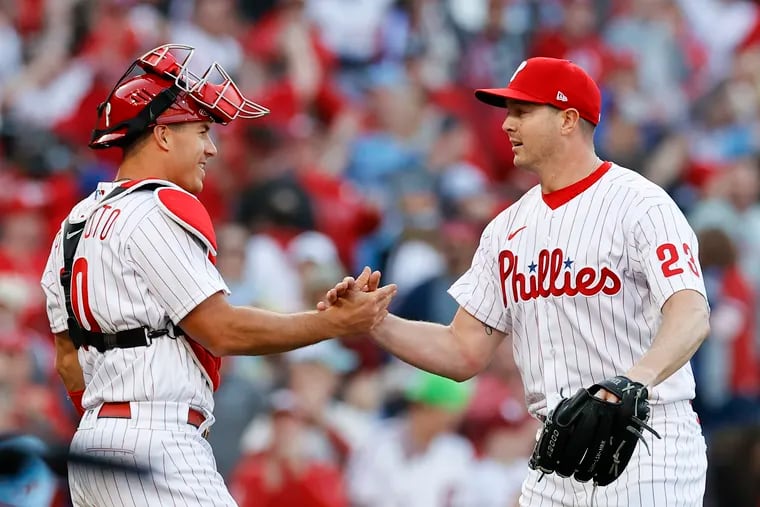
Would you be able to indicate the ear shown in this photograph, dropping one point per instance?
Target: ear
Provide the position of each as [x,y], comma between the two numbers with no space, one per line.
[162,137]
[571,120]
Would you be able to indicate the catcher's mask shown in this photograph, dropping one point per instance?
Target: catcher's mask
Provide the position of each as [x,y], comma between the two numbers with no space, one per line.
[168,92]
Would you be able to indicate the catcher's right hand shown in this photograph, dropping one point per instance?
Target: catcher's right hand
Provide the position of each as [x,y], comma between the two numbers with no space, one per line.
[593,439]
[370,284]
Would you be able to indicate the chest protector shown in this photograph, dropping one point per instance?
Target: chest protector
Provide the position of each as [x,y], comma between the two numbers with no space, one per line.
[184,209]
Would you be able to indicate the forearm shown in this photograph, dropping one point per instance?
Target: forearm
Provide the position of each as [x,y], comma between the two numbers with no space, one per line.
[426,345]
[253,331]
[240,330]
[683,328]
[67,363]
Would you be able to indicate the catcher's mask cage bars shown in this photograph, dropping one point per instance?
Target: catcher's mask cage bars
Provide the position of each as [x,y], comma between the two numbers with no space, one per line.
[224,100]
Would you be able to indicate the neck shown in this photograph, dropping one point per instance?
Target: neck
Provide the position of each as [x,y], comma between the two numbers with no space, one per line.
[138,166]
[560,174]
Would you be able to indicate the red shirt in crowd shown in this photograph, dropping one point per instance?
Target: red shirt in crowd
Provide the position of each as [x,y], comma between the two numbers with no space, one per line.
[261,481]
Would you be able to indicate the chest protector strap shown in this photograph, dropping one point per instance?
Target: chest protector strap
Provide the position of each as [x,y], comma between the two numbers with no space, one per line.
[137,337]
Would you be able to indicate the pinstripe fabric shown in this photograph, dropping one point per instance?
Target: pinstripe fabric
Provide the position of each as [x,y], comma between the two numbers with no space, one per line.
[183,470]
[580,288]
[143,269]
[607,236]
[146,271]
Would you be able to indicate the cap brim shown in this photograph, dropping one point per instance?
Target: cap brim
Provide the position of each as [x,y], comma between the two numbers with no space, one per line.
[498,96]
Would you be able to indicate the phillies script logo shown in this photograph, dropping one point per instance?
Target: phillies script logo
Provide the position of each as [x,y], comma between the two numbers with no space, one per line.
[552,276]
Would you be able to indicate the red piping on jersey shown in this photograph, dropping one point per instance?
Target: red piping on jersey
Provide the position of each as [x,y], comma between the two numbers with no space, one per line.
[564,195]
[132,183]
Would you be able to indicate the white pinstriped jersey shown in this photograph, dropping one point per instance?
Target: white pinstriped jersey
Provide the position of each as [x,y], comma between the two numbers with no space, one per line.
[141,269]
[579,280]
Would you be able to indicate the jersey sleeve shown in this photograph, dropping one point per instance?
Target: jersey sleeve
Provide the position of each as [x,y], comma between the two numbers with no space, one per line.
[667,250]
[51,286]
[477,290]
[174,264]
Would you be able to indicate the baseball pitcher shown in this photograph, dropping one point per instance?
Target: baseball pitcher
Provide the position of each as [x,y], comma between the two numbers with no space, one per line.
[594,273]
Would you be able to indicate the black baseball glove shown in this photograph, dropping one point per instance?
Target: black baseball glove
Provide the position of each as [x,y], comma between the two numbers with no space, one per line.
[593,439]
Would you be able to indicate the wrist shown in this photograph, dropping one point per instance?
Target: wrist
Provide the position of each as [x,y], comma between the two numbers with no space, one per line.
[381,330]
[641,375]
[328,323]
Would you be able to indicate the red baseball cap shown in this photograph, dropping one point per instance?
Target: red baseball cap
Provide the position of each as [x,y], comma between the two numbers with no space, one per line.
[552,81]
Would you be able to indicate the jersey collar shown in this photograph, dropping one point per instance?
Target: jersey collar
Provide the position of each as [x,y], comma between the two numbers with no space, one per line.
[564,195]
[103,188]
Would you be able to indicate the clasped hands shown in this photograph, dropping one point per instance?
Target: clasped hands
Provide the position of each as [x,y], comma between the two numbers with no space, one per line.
[358,304]
[367,281]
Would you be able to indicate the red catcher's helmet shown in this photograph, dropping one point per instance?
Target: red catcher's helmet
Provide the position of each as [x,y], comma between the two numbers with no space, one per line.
[168,92]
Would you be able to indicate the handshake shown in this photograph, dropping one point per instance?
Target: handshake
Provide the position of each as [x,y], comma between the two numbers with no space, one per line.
[357,305]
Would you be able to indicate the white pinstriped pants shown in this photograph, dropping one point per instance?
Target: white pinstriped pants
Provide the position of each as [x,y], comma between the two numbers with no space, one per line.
[673,476]
[183,469]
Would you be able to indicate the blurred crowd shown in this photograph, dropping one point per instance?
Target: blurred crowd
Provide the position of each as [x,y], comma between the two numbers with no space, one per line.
[376,153]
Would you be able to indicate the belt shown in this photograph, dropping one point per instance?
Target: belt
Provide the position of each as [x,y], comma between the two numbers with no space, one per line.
[122,410]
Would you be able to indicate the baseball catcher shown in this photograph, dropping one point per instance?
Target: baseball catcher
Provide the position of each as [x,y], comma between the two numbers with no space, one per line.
[590,438]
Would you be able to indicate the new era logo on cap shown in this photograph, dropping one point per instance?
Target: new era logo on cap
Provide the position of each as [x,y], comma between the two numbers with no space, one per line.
[561,97]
